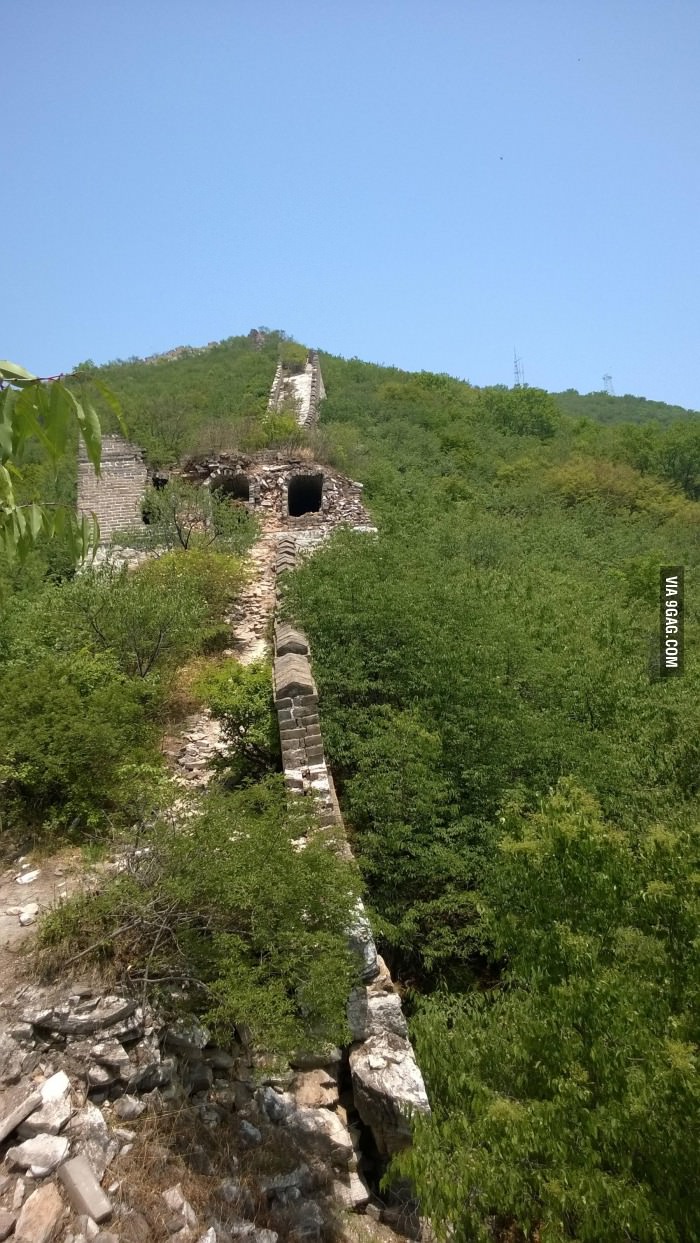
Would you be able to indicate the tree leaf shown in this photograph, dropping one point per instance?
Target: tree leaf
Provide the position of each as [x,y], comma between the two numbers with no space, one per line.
[7,495]
[90,430]
[112,401]
[35,516]
[16,374]
[57,421]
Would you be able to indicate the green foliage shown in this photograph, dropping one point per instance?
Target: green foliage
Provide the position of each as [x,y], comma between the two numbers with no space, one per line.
[254,926]
[183,515]
[151,618]
[34,412]
[566,1100]
[524,411]
[241,697]
[197,402]
[293,356]
[469,665]
[618,487]
[493,646]
[77,751]
[84,667]
[671,452]
[276,429]
[604,408]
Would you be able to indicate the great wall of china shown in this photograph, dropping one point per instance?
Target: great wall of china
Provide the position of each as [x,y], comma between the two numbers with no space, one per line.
[298,504]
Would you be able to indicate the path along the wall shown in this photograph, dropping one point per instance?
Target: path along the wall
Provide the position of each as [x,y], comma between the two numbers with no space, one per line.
[386,1082]
[301,391]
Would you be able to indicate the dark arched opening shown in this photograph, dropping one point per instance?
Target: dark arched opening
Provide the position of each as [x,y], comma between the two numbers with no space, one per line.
[304,494]
[235,487]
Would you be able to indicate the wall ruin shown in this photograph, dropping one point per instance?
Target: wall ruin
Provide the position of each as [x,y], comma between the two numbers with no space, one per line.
[115,496]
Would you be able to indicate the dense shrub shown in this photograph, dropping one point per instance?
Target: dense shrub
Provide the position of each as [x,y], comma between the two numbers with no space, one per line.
[241,697]
[251,928]
[155,616]
[77,751]
[293,356]
[566,1100]
[184,515]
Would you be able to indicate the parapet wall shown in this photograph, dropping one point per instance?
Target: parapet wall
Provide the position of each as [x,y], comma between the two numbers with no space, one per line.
[115,497]
[302,390]
[386,1081]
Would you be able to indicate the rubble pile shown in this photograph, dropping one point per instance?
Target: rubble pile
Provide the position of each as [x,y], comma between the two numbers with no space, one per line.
[83,1077]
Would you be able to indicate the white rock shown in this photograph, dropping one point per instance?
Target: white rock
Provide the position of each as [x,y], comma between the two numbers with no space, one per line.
[28,914]
[176,1201]
[55,1109]
[26,878]
[326,1129]
[55,1087]
[353,1194]
[90,1136]
[128,1107]
[40,1216]
[387,1086]
[40,1155]
[371,1014]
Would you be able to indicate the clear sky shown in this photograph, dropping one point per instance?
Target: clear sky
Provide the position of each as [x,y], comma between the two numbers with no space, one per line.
[426,183]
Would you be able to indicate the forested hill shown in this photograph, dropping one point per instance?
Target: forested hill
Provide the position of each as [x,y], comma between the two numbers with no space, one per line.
[521,787]
[523,791]
[605,408]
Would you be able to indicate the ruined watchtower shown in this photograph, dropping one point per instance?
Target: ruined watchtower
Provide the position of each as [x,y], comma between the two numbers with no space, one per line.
[115,498]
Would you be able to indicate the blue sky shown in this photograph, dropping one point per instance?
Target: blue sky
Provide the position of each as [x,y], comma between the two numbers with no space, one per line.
[427,184]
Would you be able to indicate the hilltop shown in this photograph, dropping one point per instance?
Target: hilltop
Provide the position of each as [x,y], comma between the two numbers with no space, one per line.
[606,408]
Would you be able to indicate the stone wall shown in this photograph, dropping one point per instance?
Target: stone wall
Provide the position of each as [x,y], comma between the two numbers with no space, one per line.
[386,1081]
[115,497]
[303,390]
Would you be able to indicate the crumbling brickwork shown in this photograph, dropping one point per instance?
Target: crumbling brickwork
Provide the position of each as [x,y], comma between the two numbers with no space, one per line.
[270,476]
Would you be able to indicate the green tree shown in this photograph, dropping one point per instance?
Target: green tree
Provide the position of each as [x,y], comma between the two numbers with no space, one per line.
[566,1101]
[48,413]
[77,748]
[156,616]
[183,515]
[241,697]
[256,926]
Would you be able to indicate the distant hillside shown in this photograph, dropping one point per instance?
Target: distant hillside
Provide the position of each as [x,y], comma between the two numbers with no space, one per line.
[628,409]
[193,400]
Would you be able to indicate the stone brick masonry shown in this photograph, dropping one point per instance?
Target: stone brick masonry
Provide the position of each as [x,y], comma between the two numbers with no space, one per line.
[115,497]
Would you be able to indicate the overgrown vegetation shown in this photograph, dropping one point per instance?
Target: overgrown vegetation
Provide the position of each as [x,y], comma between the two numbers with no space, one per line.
[241,697]
[206,402]
[522,791]
[86,667]
[250,930]
[603,407]
[182,515]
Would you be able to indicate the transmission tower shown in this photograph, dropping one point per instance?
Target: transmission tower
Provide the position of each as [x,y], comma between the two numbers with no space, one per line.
[518,370]
[607,381]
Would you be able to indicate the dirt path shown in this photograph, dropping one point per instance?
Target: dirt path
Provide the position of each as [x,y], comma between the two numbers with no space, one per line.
[29,886]
[200,739]
[250,618]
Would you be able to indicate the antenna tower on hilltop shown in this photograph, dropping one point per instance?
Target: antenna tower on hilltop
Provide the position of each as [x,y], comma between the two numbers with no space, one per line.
[607,381]
[518,370]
